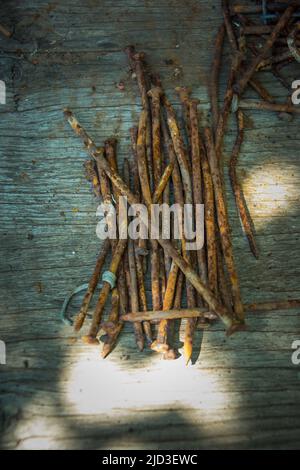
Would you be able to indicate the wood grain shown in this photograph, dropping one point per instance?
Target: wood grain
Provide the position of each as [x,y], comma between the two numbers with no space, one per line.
[241,392]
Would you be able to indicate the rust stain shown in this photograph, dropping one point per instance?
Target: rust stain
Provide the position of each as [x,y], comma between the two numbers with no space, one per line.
[249,123]
[23,177]
[39,287]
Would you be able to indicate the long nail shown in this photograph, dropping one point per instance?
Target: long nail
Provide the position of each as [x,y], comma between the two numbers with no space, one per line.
[242,82]
[97,316]
[113,326]
[163,182]
[92,176]
[184,96]
[94,152]
[142,241]
[244,214]
[183,163]
[178,313]
[210,226]
[133,286]
[137,62]
[160,344]
[266,106]
[228,25]
[166,244]
[215,76]
[79,320]
[197,154]
[140,260]
[223,224]
[155,94]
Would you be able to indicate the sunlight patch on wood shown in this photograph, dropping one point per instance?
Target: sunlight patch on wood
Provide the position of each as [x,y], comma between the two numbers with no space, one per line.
[96,386]
[271,189]
[38,433]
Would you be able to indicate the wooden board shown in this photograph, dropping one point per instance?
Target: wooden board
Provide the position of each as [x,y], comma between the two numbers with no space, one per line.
[241,392]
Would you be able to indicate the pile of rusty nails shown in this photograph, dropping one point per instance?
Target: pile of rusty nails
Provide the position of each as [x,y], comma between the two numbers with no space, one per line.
[187,163]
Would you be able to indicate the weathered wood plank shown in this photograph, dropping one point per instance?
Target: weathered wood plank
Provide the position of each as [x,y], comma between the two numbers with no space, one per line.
[243,392]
